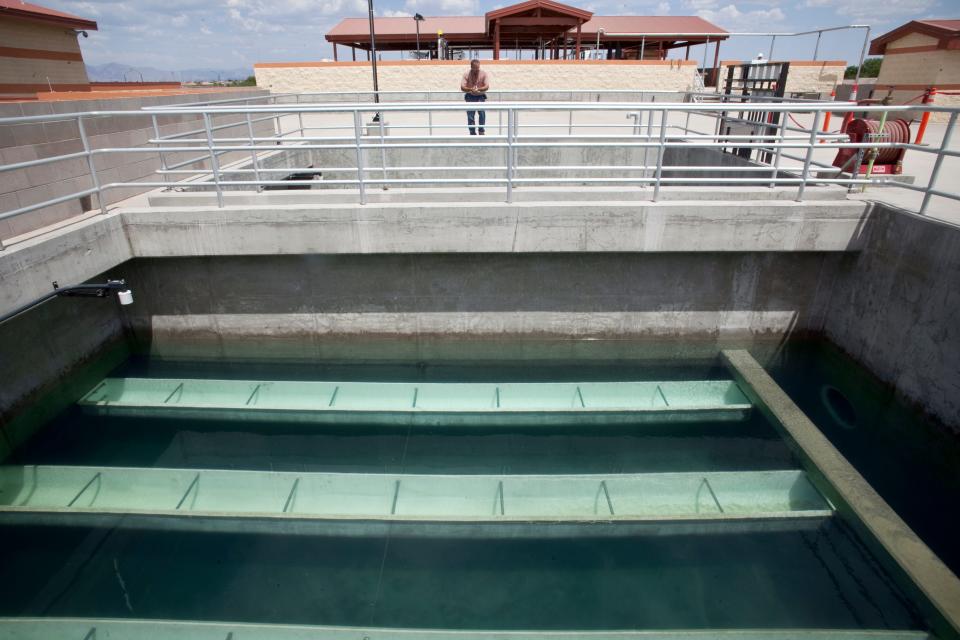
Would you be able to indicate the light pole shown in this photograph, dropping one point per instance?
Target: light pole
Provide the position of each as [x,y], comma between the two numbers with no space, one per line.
[417,19]
[373,58]
[600,32]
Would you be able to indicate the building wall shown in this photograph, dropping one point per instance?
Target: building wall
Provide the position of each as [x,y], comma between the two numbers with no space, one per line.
[805,76]
[31,54]
[29,141]
[505,75]
[910,73]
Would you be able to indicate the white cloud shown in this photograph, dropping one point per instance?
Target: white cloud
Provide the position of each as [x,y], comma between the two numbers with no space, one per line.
[732,18]
[879,12]
[662,9]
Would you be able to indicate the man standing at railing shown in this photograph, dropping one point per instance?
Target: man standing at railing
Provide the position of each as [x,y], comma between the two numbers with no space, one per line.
[474,86]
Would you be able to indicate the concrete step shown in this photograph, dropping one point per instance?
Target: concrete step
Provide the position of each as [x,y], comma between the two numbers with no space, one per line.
[402,404]
[81,628]
[65,490]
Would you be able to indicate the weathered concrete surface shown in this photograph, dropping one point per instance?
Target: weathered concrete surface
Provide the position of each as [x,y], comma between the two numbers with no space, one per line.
[298,306]
[69,255]
[854,495]
[895,305]
[41,352]
[494,228]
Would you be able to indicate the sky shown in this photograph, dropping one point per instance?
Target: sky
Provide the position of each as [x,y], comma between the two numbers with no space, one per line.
[184,34]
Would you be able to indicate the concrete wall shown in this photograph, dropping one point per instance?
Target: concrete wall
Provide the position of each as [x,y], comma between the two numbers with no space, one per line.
[29,141]
[804,76]
[56,351]
[444,75]
[37,56]
[894,309]
[294,306]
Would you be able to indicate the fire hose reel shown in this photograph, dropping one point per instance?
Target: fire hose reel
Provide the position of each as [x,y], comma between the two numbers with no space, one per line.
[887,161]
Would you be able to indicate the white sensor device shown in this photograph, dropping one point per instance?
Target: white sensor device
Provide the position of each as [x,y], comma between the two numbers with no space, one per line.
[125,297]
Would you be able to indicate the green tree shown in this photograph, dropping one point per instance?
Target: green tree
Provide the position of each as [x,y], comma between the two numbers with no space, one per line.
[871,69]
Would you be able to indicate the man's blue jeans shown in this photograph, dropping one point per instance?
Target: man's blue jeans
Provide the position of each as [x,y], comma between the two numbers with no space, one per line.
[469,97]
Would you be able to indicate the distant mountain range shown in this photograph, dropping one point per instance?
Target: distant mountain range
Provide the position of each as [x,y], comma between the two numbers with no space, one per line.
[114,72]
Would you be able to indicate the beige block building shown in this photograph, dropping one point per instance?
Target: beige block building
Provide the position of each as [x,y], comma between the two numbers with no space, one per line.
[917,56]
[39,50]
[505,75]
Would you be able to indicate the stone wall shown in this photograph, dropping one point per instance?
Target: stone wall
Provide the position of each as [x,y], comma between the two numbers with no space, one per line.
[30,141]
[444,75]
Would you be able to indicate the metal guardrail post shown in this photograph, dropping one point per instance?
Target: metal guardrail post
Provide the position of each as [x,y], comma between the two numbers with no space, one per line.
[356,142]
[163,158]
[663,143]
[91,165]
[214,163]
[510,122]
[300,119]
[253,152]
[646,150]
[383,152]
[570,118]
[781,131]
[944,144]
[814,129]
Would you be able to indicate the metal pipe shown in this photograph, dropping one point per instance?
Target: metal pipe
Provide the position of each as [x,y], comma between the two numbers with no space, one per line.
[214,162]
[935,173]
[814,130]
[84,290]
[91,166]
[863,53]
[816,48]
[356,134]
[663,140]
[253,152]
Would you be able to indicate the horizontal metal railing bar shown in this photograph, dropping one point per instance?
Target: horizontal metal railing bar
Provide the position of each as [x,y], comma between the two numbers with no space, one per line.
[765,170]
[47,203]
[933,192]
[430,181]
[678,107]
[40,161]
[218,127]
[209,148]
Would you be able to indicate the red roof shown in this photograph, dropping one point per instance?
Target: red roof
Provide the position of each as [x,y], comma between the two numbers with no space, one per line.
[36,13]
[471,27]
[947,33]
[452,26]
[652,25]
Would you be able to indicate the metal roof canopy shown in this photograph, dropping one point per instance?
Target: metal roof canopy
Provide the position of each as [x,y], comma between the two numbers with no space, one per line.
[533,23]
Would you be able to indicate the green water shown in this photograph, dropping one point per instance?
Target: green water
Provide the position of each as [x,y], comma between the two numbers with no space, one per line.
[911,462]
[810,574]
[816,578]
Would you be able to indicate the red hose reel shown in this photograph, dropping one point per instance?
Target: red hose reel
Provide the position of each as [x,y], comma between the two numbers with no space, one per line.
[888,161]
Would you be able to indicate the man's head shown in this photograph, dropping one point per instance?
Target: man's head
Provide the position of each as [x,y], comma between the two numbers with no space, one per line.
[474,65]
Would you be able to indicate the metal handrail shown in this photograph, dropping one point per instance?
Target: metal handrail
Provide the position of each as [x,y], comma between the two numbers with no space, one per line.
[656,133]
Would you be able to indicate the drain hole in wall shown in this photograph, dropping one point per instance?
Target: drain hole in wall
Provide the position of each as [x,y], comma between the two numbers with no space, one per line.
[839,407]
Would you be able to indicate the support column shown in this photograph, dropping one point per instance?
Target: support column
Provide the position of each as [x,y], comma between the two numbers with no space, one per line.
[687,55]
[496,40]
[353,51]
[335,52]
[716,63]
[579,25]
